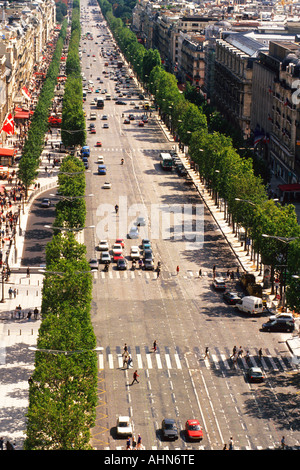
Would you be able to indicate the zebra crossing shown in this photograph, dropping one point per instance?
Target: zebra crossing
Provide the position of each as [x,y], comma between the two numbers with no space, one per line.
[129,274]
[166,359]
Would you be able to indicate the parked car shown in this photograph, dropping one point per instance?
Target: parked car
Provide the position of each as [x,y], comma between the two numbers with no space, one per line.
[281,325]
[107,185]
[231,297]
[219,283]
[169,429]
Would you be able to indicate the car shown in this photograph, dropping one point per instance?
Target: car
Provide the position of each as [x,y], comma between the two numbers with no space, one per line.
[107,185]
[231,298]
[98,144]
[131,117]
[193,430]
[140,222]
[121,264]
[103,245]
[104,117]
[135,252]
[46,203]
[117,251]
[144,119]
[148,254]
[120,241]
[124,426]
[133,232]
[126,121]
[86,165]
[146,244]
[93,130]
[105,257]
[169,429]
[219,283]
[281,325]
[149,264]
[105,126]
[100,159]
[93,263]
[283,316]
[120,102]
[141,124]
[255,374]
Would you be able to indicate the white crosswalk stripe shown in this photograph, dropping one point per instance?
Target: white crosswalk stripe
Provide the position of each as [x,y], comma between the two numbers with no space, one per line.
[168,359]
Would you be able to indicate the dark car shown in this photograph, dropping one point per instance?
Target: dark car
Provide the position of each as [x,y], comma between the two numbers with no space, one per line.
[149,264]
[231,298]
[169,429]
[122,264]
[282,325]
[148,254]
[120,102]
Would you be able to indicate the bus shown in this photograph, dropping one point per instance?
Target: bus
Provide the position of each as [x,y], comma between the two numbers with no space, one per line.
[166,161]
[100,103]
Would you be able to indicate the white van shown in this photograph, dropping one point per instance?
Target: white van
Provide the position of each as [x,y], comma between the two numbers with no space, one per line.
[108,97]
[251,305]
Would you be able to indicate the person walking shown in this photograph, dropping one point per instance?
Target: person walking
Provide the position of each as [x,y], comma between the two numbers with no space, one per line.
[10,292]
[200,272]
[260,354]
[128,446]
[233,352]
[158,272]
[214,271]
[282,443]
[135,375]
[154,345]
[230,445]
[206,354]
[240,353]
[139,442]
[177,270]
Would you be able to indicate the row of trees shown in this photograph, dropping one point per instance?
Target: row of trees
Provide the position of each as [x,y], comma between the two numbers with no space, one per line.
[63,390]
[228,174]
[35,139]
[73,120]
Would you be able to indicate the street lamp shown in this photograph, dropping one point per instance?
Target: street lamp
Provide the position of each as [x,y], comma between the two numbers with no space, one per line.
[66,229]
[71,198]
[66,353]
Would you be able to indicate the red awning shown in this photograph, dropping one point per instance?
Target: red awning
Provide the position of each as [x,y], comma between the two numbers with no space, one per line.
[7,152]
[289,187]
[21,115]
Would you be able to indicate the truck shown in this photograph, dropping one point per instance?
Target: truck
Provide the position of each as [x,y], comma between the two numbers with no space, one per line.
[85,151]
[100,103]
[248,281]
[251,305]
[166,161]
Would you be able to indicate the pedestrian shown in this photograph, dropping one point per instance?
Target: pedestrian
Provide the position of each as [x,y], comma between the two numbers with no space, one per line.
[133,442]
[177,269]
[230,446]
[233,352]
[154,345]
[158,272]
[29,314]
[128,446]
[10,292]
[129,361]
[125,350]
[139,442]
[135,375]
[260,353]
[214,271]
[35,313]
[15,292]
[28,272]
[200,272]
[1,443]
[225,447]
[247,357]
[240,353]
[206,352]
[283,443]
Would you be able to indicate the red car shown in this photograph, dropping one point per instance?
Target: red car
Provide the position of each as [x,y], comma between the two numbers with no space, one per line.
[93,131]
[99,144]
[120,241]
[141,124]
[193,430]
